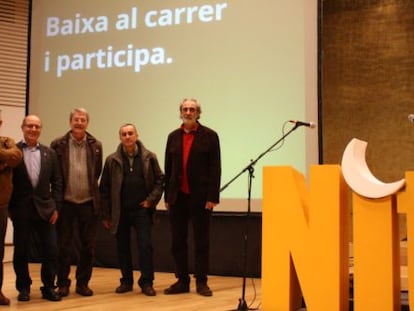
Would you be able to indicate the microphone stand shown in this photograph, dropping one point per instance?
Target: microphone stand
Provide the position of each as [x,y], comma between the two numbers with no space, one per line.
[250,168]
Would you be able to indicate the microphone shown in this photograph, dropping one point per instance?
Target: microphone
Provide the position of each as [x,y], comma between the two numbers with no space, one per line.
[411,118]
[311,124]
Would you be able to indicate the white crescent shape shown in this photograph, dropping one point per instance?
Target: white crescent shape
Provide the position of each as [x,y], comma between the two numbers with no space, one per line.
[359,177]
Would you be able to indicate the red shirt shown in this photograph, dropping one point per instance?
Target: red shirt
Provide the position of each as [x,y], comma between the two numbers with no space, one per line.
[188,138]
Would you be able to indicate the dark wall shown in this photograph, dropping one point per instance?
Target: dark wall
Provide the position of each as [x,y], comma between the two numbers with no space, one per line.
[227,245]
[368,82]
[229,254]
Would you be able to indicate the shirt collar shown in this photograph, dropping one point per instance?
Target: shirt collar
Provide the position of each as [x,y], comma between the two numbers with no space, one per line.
[25,145]
[135,151]
[77,142]
[194,129]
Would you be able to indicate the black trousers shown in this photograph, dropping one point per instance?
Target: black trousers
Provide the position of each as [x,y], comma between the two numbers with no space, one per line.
[188,210]
[141,220]
[22,231]
[87,222]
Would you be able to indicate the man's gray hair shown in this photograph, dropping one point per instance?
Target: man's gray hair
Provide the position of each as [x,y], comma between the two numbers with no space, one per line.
[79,110]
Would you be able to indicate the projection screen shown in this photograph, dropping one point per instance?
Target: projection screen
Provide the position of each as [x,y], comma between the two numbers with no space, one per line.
[252,65]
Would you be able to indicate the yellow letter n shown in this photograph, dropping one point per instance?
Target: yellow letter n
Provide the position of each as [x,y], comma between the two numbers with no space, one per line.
[305,239]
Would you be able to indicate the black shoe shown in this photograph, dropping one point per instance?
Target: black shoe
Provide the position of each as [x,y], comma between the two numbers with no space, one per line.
[148,290]
[50,294]
[63,290]
[123,288]
[84,290]
[24,295]
[203,290]
[178,287]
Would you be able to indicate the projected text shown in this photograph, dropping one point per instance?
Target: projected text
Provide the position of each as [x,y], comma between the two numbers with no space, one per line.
[127,55]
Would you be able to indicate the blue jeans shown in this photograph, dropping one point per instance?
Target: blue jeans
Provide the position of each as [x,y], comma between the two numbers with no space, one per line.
[141,220]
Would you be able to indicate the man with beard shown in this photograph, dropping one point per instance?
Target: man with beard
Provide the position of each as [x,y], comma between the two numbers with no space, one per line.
[192,188]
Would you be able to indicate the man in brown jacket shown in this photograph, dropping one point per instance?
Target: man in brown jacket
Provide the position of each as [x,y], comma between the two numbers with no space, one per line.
[10,156]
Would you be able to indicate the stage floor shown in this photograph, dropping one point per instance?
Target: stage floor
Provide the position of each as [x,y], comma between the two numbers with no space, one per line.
[226,293]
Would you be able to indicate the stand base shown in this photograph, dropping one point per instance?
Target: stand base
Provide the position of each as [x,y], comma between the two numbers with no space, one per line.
[242,306]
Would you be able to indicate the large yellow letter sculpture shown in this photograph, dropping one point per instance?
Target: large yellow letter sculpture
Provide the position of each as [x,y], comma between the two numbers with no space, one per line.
[376,254]
[305,239]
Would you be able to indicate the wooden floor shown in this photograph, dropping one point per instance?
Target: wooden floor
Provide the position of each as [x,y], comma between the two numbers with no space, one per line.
[226,293]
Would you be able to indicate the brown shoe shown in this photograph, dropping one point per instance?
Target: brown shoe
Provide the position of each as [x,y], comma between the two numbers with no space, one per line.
[123,288]
[178,287]
[148,290]
[84,290]
[204,290]
[4,301]
[63,290]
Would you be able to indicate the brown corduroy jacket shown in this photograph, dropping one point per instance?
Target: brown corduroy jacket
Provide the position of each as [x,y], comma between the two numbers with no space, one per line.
[10,157]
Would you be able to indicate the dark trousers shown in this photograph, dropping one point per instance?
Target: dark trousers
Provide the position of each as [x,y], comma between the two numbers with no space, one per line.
[141,220]
[23,229]
[82,215]
[189,210]
[3,228]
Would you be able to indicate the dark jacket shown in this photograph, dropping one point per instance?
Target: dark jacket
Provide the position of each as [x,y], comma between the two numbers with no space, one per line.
[94,163]
[111,183]
[46,197]
[203,166]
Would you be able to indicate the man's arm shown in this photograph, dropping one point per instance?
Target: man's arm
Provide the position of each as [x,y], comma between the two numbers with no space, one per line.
[10,154]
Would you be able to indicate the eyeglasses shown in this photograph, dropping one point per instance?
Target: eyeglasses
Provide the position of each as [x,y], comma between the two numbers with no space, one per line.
[189,109]
[129,133]
[33,126]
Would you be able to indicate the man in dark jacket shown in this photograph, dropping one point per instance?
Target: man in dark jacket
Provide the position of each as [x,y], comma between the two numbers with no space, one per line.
[192,188]
[80,159]
[131,186]
[34,205]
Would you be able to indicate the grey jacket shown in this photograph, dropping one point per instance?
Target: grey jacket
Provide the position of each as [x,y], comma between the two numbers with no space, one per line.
[111,183]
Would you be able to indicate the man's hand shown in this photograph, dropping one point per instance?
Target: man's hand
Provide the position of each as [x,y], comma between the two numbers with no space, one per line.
[106,224]
[145,204]
[210,205]
[54,217]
